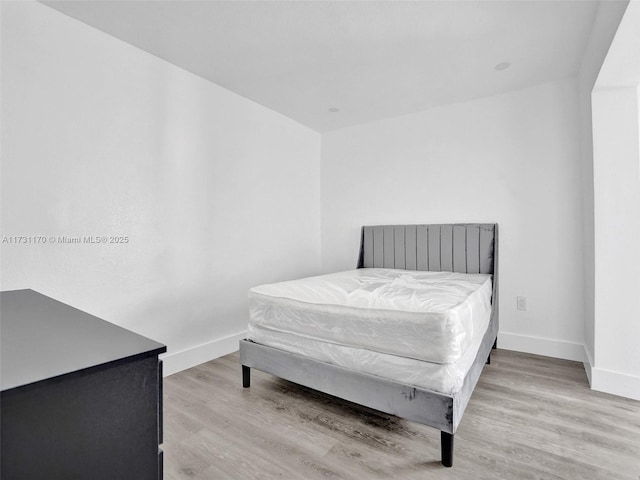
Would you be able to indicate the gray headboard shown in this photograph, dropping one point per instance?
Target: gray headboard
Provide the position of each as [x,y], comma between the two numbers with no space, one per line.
[460,247]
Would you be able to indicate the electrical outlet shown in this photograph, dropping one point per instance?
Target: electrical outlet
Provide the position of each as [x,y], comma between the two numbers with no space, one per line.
[522,303]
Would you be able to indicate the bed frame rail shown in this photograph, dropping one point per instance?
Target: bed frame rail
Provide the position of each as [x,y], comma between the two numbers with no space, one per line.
[374,392]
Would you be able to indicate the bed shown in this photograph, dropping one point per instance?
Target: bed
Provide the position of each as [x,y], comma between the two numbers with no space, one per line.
[325,334]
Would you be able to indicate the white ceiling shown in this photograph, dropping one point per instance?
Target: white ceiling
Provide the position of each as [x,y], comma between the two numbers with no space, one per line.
[369,59]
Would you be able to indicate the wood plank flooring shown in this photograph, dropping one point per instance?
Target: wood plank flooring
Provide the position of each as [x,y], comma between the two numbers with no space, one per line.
[530,417]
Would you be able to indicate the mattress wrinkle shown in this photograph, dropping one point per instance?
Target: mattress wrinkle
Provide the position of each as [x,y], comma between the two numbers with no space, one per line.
[427,316]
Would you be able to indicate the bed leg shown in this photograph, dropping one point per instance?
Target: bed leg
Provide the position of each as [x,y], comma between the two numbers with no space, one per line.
[495,344]
[488,362]
[446,442]
[246,376]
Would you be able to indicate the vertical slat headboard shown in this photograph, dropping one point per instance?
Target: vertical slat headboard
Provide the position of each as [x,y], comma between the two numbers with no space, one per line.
[461,247]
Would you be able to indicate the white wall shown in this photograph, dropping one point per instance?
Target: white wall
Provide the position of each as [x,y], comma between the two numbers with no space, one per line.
[512,159]
[214,192]
[604,28]
[616,166]
[616,155]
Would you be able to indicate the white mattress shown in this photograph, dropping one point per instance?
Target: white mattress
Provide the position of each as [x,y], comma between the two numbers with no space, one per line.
[447,378]
[427,316]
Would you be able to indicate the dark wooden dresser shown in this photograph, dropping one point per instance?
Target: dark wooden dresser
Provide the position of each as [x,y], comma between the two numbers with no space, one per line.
[81,397]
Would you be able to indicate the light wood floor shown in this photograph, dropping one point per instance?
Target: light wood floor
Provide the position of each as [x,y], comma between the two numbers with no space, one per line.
[530,417]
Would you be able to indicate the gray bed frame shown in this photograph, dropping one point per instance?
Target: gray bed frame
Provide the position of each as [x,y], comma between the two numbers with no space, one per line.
[465,248]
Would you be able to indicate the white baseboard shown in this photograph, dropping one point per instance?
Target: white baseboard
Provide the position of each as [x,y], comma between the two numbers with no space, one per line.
[615,383]
[541,346]
[175,362]
[606,381]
